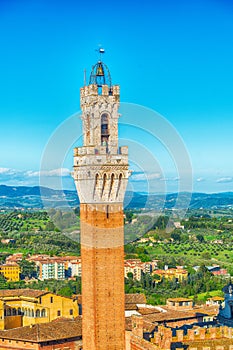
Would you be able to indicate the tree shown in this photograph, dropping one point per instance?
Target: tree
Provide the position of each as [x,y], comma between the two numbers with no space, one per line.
[161,223]
[27,268]
[65,291]
[50,226]
[3,282]
[130,275]
[200,238]
[206,255]
[175,236]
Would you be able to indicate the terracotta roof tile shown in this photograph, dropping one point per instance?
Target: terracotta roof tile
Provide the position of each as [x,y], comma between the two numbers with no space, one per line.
[135,299]
[169,316]
[130,306]
[148,327]
[31,293]
[179,299]
[147,310]
[61,329]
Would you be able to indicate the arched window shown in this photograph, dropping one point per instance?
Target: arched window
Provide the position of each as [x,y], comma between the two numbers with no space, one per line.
[111,185]
[37,313]
[19,311]
[104,184]
[119,185]
[96,185]
[104,129]
[43,313]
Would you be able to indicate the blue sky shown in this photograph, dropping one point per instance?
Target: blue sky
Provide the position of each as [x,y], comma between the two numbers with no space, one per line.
[174,57]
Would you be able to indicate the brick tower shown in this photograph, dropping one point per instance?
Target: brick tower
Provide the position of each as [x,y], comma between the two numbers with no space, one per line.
[101,175]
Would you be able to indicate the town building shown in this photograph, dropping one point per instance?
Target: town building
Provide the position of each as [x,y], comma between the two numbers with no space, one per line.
[16,257]
[179,303]
[63,334]
[137,268]
[49,267]
[101,176]
[23,307]
[178,274]
[178,312]
[73,268]
[11,271]
[165,338]
[216,300]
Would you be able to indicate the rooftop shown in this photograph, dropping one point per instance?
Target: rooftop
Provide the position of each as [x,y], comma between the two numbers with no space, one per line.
[179,299]
[56,330]
[31,293]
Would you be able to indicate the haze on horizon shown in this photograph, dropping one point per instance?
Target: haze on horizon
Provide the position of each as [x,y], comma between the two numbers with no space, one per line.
[174,57]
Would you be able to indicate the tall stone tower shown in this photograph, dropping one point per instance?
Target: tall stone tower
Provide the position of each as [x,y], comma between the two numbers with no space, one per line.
[101,175]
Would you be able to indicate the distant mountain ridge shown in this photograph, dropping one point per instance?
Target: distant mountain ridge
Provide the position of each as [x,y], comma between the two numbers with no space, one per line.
[40,197]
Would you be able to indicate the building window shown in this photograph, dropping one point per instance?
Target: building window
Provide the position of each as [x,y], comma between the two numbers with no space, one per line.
[51,300]
[43,313]
[104,130]
[58,312]
[71,311]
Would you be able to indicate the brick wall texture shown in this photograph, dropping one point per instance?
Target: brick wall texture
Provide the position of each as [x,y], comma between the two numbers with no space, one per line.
[102,253]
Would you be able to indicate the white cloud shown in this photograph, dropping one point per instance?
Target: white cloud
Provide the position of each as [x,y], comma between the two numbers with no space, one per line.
[7,171]
[14,177]
[175,179]
[200,179]
[225,179]
[61,172]
[140,176]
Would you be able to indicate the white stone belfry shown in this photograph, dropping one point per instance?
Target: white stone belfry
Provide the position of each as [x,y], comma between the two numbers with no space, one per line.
[100,166]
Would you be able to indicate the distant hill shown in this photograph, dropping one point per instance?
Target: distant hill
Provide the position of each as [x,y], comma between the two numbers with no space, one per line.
[40,197]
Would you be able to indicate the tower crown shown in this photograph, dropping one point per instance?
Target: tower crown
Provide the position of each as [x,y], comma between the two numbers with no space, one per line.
[100,166]
[100,75]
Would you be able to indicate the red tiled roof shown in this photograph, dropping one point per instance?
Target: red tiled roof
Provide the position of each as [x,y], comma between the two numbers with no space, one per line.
[31,293]
[135,299]
[179,299]
[61,329]
[147,326]
[169,316]
[147,310]
[216,298]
